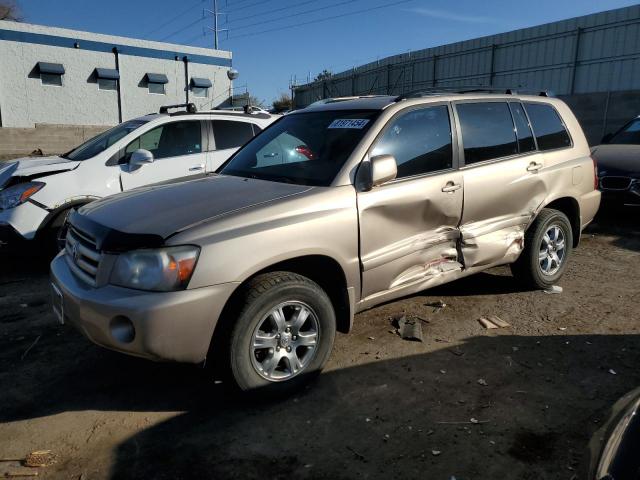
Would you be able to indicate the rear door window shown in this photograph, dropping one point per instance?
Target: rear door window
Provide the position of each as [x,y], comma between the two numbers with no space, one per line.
[420,141]
[230,134]
[487,131]
[547,127]
[523,129]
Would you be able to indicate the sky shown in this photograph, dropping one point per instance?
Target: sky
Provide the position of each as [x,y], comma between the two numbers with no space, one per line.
[275,40]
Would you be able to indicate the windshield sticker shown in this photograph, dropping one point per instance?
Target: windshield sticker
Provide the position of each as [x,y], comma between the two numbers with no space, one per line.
[357,123]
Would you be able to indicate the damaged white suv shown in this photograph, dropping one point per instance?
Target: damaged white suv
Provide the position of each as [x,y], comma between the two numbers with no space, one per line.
[37,194]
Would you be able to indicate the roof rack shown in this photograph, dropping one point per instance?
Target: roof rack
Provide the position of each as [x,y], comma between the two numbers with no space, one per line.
[190,107]
[470,89]
[345,99]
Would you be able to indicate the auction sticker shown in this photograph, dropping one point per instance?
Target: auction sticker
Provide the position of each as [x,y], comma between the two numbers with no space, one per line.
[357,123]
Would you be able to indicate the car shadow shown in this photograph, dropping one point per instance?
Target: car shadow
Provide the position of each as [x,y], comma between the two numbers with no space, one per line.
[620,222]
[491,406]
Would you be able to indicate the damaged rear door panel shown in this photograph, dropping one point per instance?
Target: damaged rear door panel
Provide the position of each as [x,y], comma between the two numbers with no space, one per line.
[504,181]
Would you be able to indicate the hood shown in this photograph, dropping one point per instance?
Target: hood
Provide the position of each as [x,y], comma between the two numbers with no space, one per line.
[165,209]
[36,166]
[618,160]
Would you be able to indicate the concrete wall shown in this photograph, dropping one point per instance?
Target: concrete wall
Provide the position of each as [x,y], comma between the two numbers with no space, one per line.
[24,101]
[51,139]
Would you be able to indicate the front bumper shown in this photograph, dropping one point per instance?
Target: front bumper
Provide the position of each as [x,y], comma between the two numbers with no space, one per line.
[24,219]
[172,326]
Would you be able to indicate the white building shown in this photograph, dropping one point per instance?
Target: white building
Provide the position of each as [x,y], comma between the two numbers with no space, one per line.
[68,77]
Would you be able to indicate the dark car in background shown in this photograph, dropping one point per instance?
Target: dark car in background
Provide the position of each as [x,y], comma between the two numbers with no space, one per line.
[618,160]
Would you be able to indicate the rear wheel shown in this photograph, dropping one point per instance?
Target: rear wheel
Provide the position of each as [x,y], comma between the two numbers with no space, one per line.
[283,333]
[547,248]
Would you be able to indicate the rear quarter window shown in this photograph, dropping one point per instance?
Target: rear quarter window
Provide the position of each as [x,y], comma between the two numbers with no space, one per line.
[231,134]
[548,128]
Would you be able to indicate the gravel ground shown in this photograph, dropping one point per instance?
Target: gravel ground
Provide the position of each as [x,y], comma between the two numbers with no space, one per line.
[520,402]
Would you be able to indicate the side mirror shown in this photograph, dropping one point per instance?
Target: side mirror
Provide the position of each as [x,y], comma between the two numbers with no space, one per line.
[140,157]
[607,138]
[378,170]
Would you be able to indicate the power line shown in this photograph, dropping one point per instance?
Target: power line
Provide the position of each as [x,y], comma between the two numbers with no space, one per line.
[173,19]
[182,29]
[366,10]
[247,6]
[299,4]
[339,4]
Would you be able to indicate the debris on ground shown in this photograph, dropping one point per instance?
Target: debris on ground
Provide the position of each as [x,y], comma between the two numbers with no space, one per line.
[437,306]
[371,338]
[40,458]
[493,321]
[37,458]
[612,371]
[553,289]
[435,453]
[20,473]
[483,382]
[409,328]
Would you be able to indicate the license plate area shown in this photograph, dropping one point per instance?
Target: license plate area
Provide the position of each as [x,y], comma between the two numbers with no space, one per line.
[57,303]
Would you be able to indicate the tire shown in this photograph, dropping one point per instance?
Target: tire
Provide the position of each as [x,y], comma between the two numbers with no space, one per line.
[531,269]
[266,339]
[56,233]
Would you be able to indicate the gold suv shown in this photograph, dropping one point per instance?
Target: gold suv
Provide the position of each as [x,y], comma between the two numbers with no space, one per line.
[331,210]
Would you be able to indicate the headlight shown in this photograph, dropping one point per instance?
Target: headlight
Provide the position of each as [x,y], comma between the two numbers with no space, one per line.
[18,194]
[161,270]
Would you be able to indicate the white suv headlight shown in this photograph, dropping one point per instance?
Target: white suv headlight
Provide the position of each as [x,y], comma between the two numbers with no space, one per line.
[162,270]
[18,194]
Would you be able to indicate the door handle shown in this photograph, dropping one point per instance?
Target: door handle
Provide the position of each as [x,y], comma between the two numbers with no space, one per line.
[451,187]
[534,167]
[268,155]
[196,168]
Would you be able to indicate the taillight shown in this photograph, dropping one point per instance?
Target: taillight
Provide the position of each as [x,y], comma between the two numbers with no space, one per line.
[595,173]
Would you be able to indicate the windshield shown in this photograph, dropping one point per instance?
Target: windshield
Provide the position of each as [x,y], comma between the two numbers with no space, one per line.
[629,135]
[100,143]
[304,148]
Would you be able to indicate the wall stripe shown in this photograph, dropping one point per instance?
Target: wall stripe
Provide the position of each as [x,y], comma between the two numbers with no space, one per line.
[67,42]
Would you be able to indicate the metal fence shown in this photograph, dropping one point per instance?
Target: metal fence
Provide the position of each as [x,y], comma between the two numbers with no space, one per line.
[593,53]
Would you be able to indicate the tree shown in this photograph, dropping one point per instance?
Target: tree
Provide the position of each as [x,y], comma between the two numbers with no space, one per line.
[324,75]
[282,103]
[9,11]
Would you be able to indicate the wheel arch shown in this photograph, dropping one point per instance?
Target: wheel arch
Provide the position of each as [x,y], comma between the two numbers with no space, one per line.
[571,208]
[55,212]
[323,270]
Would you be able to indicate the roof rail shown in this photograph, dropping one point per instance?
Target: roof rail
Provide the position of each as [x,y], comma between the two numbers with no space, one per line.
[190,107]
[470,89]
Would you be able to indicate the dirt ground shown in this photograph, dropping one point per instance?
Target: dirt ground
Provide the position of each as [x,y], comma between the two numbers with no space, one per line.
[384,408]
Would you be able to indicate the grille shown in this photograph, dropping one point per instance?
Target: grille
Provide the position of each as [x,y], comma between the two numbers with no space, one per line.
[83,255]
[615,183]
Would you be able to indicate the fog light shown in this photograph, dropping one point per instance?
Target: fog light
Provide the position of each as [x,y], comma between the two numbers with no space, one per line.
[122,329]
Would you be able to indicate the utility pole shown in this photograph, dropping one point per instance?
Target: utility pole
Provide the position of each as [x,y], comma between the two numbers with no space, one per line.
[215,28]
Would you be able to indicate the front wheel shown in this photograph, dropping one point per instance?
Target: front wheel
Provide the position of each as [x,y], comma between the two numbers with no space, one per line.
[283,333]
[547,248]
